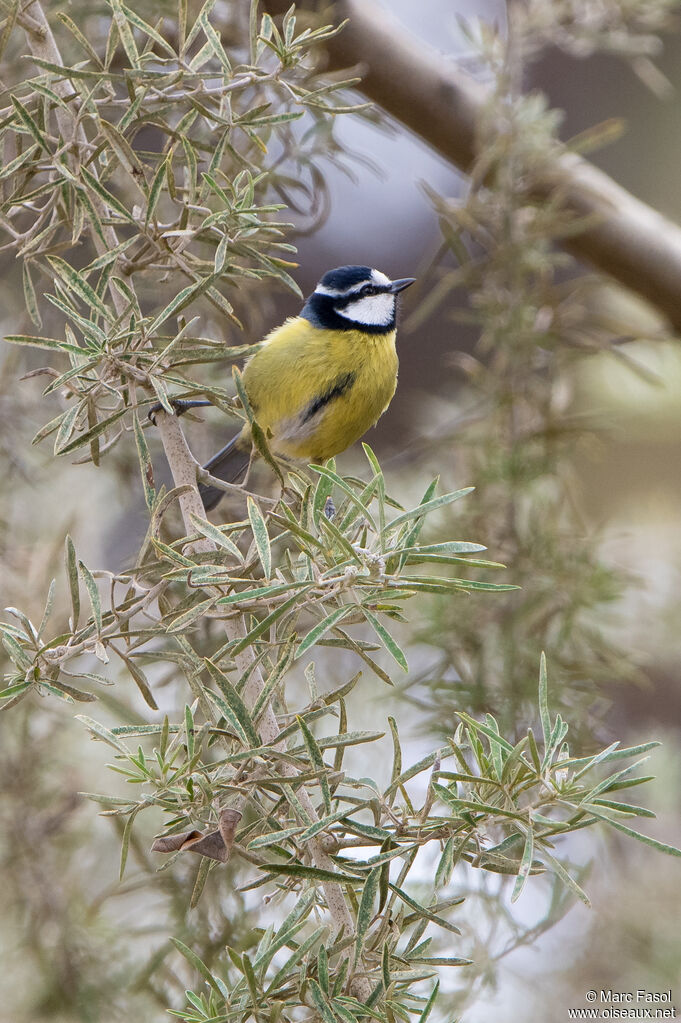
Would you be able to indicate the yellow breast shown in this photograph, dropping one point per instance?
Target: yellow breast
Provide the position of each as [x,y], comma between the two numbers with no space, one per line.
[318,391]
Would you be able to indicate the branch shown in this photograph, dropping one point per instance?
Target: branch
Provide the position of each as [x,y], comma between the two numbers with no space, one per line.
[415,84]
[183,467]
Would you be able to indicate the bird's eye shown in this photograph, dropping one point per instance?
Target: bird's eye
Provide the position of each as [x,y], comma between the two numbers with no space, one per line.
[369,289]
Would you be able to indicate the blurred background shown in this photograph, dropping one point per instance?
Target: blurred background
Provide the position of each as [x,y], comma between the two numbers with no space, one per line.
[623,472]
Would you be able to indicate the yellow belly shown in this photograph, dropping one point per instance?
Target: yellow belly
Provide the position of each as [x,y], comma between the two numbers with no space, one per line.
[315,392]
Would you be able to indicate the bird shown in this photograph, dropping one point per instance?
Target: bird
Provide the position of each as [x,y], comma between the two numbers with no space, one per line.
[321,379]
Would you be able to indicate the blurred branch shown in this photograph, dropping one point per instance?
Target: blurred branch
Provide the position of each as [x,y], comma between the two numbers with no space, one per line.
[424,90]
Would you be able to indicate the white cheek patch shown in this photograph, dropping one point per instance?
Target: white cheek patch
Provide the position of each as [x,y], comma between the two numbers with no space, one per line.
[374,310]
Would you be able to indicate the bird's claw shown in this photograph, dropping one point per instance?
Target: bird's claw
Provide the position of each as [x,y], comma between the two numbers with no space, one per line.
[179,406]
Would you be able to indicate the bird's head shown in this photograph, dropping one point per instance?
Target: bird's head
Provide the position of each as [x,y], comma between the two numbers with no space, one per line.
[355,298]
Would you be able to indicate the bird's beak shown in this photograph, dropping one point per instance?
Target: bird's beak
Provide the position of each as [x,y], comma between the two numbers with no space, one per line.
[400,285]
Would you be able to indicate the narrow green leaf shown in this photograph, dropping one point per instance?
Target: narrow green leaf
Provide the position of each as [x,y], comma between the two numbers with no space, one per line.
[155,191]
[29,122]
[146,465]
[491,733]
[422,765]
[525,865]
[274,838]
[211,532]
[274,679]
[199,966]
[14,693]
[16,652]
[250,978]
[78,35]
[127,832]
[428,507]
[445,867]
[253,32]
[422,912]
[110,255]
[13,165]
[67,427]
[96,431]
[205,867]
[234,701]
[334,533]
[669,850]
[183,298]
[313,873]
[191,171]
[267,622]
[93,593]
[110,200]
[534,752]
[630,809]
[258,122]
[567,880]
[72,575]
[125,33]
[287,969]
[332,818]
[322,627]
[544,701]
[388,642]
[322,494]
[257,433]
[323,969]
[289,523]
[321,1002]
[70,691]
[147,30]
[261,593]
[260,537]
[225,710]
[441,960]
[189,730]
[30,296]
[429,1004]
[317,759]
[100,732]
[397,754]
[76,283]
[616,754]
[183,621]
[366,909]
[449,547]
[43,342]
[348,491]
[126,155]
[215,43]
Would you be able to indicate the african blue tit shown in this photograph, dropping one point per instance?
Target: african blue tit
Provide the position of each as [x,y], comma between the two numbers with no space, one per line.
[321,379]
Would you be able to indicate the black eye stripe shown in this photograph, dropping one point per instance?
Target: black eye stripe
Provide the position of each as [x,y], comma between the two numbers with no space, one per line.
[370,289]
[365,292]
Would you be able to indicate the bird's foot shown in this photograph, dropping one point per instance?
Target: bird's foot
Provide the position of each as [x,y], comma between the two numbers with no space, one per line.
[179,405]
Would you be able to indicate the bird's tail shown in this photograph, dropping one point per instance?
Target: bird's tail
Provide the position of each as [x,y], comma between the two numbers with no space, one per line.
[228,464]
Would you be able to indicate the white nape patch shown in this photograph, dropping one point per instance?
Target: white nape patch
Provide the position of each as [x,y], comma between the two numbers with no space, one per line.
[321,289]
[372,310]
[378,278]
